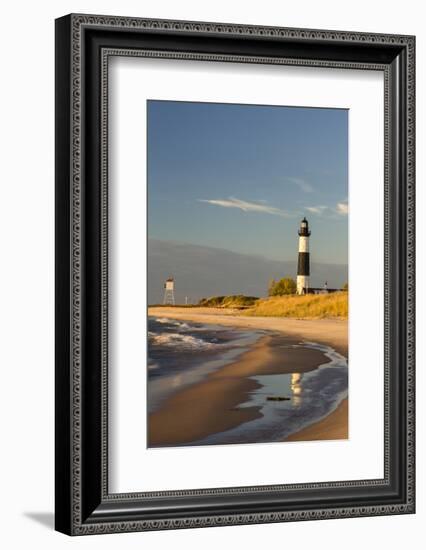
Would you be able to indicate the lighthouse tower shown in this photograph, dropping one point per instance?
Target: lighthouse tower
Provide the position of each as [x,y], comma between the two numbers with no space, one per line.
[303,262]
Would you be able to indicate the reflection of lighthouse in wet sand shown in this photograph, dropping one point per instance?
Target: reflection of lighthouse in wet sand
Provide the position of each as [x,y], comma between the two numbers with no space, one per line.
[296,387]
[303,261]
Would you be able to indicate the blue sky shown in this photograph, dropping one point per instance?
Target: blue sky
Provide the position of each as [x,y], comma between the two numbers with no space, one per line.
[240,177]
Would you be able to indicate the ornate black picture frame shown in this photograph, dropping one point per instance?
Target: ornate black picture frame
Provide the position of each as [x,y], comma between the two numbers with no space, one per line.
[84,44]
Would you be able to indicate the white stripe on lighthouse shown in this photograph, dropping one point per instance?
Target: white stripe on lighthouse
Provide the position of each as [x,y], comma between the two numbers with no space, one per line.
[303,244]
[302,283]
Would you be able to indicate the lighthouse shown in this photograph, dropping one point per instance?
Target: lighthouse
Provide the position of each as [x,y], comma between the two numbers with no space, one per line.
[303,261]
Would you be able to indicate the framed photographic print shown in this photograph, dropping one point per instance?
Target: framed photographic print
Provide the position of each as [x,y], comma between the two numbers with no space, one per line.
[234,274]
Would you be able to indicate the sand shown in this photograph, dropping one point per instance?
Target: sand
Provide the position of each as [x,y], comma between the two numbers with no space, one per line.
[210,406]
[333,426]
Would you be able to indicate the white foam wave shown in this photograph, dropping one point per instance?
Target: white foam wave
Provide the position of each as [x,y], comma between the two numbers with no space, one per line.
[166,320]
[174,339]
[180,325]
[174,322]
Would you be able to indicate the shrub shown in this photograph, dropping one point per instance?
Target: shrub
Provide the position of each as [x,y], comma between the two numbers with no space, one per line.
[284,286]
[238,300]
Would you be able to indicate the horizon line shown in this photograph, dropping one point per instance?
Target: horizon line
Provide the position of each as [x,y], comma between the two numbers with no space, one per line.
[185,243]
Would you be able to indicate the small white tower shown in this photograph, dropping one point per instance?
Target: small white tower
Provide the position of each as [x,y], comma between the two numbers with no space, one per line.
[303,270]
[169,292]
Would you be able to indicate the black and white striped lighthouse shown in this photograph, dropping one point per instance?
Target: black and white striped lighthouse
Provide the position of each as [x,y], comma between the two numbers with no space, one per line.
[303,261]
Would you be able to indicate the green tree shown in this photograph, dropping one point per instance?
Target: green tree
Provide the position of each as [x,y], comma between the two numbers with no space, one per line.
[284,286]
[271,286]
[345,286]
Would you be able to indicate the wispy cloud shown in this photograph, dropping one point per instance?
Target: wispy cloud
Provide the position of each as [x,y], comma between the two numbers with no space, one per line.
[316,209]
[342,208]
[247,206]
[302,184]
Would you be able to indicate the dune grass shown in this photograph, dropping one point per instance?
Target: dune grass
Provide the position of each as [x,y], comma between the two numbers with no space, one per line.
[311,306]
[236,301]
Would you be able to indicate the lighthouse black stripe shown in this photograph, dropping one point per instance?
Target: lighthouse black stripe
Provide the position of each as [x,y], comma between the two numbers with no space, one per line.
[303,263]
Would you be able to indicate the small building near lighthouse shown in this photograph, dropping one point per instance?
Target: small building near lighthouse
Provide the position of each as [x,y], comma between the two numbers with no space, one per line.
[303,263]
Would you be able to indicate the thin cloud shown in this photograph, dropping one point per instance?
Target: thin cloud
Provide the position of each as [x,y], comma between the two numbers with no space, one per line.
[342,208]
[316,209]
[302,184]
[247,206]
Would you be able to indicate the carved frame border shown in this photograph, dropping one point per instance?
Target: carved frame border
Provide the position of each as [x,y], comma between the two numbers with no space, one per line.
[77,25]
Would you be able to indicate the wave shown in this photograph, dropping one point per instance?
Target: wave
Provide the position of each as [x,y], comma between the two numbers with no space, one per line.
[180,325]
[166,320]
[183,341]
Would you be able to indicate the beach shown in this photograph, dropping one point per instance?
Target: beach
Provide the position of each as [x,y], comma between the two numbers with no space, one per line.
[334,426]
[229,399]
[329,331]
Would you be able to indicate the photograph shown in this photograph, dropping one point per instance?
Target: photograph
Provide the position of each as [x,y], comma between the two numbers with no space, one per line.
[248,286]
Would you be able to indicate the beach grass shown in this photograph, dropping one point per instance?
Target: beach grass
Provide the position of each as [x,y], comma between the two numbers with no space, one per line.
[233,301]
[310,306]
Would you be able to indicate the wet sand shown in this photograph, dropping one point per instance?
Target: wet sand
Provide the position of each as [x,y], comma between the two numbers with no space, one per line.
[333,426]
[210,406]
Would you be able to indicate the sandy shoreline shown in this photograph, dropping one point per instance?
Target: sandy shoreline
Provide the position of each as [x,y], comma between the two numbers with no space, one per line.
[216,398]
[333,426]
